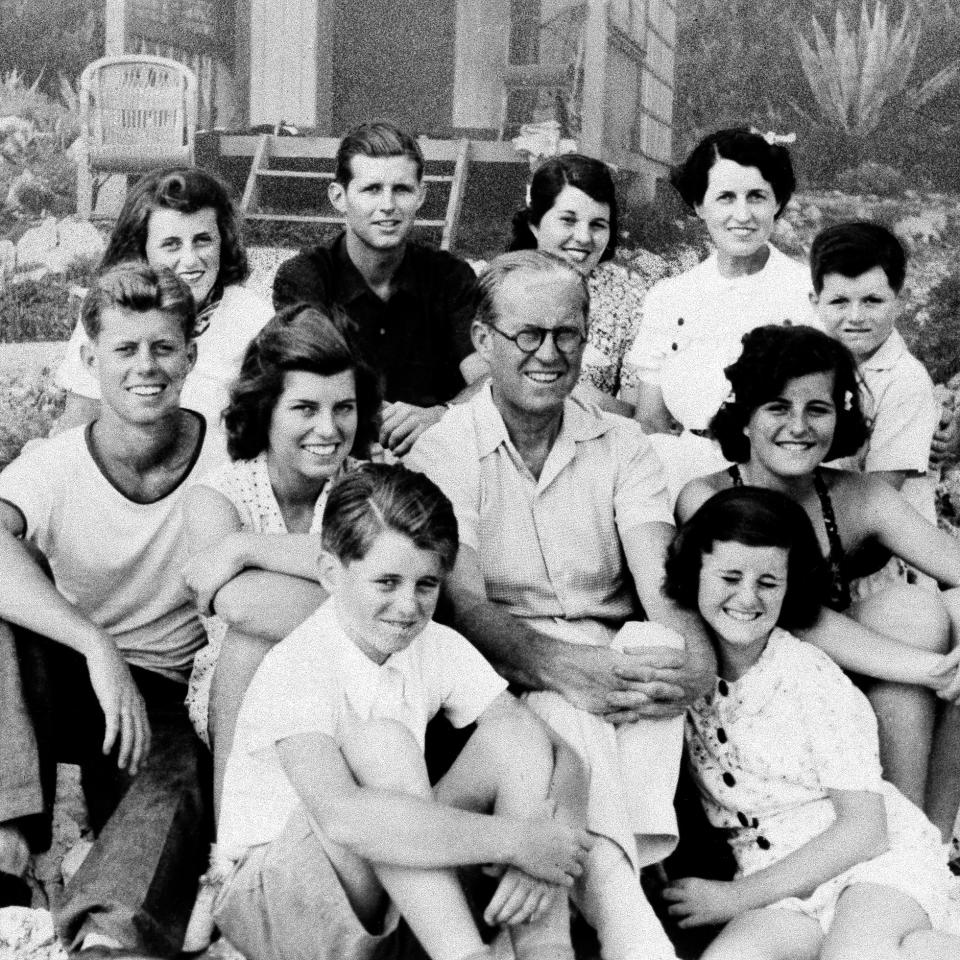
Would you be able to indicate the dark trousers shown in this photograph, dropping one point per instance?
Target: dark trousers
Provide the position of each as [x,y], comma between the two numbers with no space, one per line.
[139,881]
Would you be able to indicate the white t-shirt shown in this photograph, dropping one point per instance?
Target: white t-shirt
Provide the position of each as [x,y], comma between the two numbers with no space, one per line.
[220,349]
[118,561]
[308,682]
[693,323]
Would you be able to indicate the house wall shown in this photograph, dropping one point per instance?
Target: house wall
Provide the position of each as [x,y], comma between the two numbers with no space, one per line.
[283,62]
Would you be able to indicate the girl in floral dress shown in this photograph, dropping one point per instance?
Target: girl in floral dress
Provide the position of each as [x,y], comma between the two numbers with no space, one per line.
[833,861]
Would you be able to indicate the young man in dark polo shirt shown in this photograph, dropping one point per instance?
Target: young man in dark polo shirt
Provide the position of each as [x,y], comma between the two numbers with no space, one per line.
[412,305]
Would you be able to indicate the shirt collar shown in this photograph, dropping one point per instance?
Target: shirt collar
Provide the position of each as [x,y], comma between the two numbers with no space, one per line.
[351,279]
[579,423]
[891,350]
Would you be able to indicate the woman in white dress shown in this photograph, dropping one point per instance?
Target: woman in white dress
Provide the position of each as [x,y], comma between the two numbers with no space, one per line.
[739,184]
[181,218]
[302,408]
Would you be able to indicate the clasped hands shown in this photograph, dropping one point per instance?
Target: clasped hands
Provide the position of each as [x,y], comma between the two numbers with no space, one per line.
[624,685]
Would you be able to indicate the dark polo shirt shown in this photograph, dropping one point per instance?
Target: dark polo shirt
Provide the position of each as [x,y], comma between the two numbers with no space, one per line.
[418,337]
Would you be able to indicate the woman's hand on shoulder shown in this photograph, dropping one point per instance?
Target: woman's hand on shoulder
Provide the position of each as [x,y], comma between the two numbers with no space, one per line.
[696,902]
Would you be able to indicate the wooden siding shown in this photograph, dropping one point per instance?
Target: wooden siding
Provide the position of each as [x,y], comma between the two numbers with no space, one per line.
[283,62]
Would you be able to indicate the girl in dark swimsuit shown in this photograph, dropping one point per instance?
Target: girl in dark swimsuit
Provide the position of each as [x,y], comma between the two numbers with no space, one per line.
[794,405]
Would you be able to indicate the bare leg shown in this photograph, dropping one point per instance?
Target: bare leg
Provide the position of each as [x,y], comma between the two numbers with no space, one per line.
[384,754]
[768,934]
[905,713]
[239,658]
[874,922]
[943,785]
[508,766]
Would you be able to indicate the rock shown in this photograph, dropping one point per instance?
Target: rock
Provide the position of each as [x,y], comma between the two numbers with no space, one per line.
[80,240]
[921,227]
[12,201]
[74,859]
[25,930]
[35,244]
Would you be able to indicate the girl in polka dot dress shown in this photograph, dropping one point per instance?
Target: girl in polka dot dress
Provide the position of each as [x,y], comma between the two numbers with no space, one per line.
[833,862]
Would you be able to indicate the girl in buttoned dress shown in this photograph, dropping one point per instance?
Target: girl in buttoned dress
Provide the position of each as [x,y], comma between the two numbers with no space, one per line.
[833,861]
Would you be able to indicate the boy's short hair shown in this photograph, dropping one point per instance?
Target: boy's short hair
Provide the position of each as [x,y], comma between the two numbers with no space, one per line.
[139,287]
[378,497]
[853,248]
[376,140]
[773,355]
[755,517]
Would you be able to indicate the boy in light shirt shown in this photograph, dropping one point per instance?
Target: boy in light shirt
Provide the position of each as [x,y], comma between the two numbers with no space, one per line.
[328,816]
[858,271]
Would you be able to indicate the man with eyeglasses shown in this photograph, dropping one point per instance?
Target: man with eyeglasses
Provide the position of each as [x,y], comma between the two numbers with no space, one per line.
[564,520]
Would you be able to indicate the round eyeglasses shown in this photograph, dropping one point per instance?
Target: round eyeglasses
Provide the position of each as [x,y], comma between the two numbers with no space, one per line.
[530,339]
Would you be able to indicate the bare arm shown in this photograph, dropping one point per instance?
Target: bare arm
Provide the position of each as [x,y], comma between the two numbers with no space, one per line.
[855,647]
[651,412]
[392,827]
[646,549]
[29,599]
[261,584]
[858,834]
[77,411]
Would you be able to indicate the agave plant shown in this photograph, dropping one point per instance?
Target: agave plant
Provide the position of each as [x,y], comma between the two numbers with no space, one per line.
[856,77]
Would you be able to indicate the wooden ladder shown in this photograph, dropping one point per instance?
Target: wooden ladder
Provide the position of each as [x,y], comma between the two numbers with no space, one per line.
[270,146]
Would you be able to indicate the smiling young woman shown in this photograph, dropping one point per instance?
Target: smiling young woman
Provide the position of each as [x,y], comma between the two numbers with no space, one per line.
[794,405]
[181,218]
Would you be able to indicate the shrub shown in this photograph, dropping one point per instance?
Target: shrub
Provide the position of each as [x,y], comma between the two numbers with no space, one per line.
[936,340]
[872,177]
[27,410]
[36,310]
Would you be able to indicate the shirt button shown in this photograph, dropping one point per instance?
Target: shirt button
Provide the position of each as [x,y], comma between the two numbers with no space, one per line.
[721,735]
[673,346]
[723,688]
[729,779]
[680,322]
[763,843]
[742,817]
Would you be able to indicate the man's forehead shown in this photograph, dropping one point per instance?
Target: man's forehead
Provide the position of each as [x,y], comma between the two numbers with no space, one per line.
[123,323]
[554,291]
[364,169]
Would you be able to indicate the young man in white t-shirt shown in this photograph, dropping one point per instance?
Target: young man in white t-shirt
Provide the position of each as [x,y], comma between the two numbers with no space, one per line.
[328,821]
[93,663]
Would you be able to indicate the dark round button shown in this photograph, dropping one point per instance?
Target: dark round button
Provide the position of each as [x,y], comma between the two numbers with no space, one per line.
[742,817]
[673,346]
[680,322]
[723,688]
[721,735]
[729,779]
[763,843]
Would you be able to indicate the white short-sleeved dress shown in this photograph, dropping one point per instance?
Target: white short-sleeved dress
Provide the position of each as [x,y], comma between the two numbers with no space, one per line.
[691,330]
[246,484]
[764,751]
[221,344]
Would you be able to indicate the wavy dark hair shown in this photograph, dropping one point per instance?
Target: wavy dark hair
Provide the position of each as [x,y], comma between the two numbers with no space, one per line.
[185,190]
[738,144]
[567,170]
[378,497]
[774,354]
[755,517]
[300,337]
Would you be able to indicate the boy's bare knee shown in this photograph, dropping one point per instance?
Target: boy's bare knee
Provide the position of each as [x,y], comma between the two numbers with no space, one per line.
[384,753]
[516,740]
